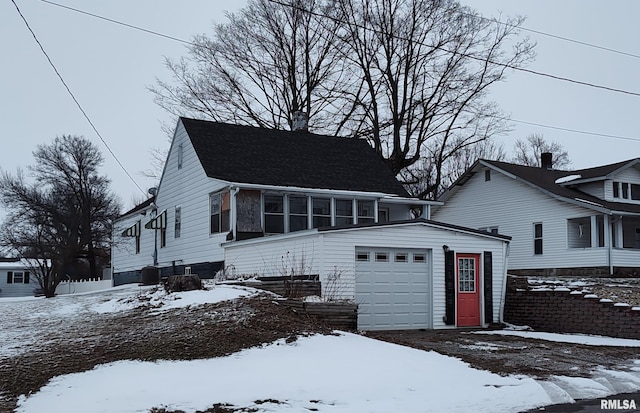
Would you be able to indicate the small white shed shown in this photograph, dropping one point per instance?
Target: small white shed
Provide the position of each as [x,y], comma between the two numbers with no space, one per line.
[403,275]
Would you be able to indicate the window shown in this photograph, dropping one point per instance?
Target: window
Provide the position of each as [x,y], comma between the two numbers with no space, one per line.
[273,214]
[180,156]
[537,238]
[18,277]
[298,213]
[163,237]
[137,244]
[487,174]
[616,189]
[344,211]
[382,257]
[383,215]
[366,212]
[321,212]
[178,222]
[362,256]
[466,275]
[579,232]
[220,208]
[635,192]
[419,258]
[625,190]
[401,257]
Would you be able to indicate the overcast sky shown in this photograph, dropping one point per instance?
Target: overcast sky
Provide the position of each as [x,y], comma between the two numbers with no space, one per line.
[109,67]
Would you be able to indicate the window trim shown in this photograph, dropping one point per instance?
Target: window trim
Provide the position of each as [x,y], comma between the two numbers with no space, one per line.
[180,155]
[281,214]
[224,223]
[177,222]
[538,240]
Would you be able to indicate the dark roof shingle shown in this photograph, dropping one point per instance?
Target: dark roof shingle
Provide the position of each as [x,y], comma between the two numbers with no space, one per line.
[546,180]
[251,155]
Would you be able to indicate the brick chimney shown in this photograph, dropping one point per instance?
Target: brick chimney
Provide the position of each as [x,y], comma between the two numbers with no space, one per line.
[546,160]
[299,121]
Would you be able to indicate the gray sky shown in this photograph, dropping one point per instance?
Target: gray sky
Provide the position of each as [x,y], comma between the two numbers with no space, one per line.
[108,67]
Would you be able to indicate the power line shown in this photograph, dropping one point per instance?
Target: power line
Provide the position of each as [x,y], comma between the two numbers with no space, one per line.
[74,98]
[555,36]
[131,26]
[118,22]
[505,65]
[604,135]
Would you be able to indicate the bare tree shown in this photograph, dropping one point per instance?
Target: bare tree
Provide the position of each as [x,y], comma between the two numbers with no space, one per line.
[410,76]
[65,215]
[453,168]
[266,63]
[528,152]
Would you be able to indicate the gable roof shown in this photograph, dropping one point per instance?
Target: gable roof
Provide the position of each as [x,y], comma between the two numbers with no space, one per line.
[251,155]
[547,181]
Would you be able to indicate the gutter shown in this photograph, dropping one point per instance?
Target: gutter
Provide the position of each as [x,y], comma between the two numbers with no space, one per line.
[504,280]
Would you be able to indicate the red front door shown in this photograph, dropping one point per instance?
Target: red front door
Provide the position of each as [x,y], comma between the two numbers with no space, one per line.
[467,281]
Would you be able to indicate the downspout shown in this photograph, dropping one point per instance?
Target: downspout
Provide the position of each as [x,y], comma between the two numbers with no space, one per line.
[234,213]
[610,243]
[505,256]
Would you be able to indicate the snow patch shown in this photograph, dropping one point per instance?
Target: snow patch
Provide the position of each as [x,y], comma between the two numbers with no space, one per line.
[590,340]
[567,178]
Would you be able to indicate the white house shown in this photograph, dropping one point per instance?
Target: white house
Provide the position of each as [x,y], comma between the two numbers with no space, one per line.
[260,201]
[561,222]
[16,279]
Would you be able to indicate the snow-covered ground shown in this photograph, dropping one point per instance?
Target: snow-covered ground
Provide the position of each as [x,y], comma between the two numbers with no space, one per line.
[342,373]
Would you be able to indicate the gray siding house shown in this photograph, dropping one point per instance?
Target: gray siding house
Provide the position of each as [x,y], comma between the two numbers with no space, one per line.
[561,222]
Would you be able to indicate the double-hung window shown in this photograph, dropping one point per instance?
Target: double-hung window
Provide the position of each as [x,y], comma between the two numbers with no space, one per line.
[537,238]
[366,212]
[177,222]
[321,212]
[273,214]
[344,211]
[220,208]
[298,213]
[18,277]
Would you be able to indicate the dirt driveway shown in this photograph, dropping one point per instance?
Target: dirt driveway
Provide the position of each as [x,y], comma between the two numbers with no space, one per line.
[516,355]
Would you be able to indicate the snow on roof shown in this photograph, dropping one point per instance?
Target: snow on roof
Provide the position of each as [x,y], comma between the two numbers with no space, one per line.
[568,178]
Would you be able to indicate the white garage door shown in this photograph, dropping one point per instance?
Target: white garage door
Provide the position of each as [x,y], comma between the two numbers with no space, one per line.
[393,288]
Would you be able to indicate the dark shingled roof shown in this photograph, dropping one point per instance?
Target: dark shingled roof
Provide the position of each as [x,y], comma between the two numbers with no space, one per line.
[251,155]
[546,180]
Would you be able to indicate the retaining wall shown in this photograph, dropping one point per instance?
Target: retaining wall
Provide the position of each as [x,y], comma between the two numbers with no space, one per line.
[564,311]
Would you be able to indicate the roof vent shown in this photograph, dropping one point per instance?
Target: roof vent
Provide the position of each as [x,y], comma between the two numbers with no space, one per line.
[299,121]
[546,160]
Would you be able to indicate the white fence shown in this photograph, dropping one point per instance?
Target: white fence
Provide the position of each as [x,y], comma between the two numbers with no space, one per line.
[83,286]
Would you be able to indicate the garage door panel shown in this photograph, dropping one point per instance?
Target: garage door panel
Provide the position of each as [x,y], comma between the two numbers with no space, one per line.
[393,294]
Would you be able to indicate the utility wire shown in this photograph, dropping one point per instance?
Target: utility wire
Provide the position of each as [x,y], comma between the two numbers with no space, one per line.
[521,69]
[131,26]
[505,65]
[74,98]
[118,22]
[554,36]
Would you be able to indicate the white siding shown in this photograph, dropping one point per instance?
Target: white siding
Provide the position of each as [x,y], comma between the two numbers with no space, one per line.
[631,175]
[514,207]
[333,252]
[123,256]
[187,188]
[594,189]
[16,289]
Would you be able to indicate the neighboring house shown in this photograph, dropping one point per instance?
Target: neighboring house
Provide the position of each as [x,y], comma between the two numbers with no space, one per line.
[254,201]
[562,222]
[16,279]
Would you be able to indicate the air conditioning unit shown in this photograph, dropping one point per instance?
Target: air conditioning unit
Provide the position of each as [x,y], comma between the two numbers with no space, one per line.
[187,270]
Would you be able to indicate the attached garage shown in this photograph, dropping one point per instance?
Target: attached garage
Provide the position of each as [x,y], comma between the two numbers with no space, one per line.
[417,274]
[392,288]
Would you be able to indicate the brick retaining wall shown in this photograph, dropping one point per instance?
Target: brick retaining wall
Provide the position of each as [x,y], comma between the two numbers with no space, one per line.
[565,311]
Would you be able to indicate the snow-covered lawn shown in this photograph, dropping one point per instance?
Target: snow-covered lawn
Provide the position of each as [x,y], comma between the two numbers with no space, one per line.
[341,373]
